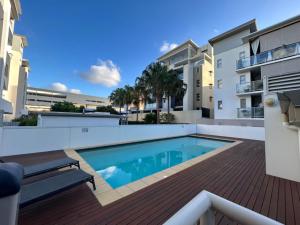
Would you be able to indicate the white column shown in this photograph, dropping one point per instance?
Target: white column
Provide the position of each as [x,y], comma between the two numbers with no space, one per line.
[188,80]
[5,14]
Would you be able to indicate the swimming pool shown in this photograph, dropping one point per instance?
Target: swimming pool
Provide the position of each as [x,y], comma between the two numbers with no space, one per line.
[123,164]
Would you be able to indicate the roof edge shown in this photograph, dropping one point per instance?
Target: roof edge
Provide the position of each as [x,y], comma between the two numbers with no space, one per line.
[249,24]
[190,41]
[271,28]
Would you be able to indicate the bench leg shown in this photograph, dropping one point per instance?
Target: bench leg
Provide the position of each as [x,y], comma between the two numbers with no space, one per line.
[93,183]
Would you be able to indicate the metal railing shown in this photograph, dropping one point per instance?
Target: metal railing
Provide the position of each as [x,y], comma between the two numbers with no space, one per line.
[268,56]
[201,208]
[249,87]
[251,112]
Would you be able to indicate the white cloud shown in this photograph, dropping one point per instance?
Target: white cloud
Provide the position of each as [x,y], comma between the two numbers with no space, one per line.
[216,31]
[57,86]
[166,46]
[104,72]
[75,91]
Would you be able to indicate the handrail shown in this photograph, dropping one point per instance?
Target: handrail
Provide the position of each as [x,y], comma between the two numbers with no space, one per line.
[201,208]
[252,86]
[269,55]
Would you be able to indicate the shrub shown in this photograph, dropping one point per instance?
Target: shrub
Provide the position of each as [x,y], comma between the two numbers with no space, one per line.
[167,118]
[29,120]
[108,108]
[150,118]
[65,107]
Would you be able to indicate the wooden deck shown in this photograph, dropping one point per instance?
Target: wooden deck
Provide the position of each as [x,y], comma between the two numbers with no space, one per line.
[237,174]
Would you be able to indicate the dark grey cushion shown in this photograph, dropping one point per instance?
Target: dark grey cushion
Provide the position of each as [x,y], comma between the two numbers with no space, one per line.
[11,175]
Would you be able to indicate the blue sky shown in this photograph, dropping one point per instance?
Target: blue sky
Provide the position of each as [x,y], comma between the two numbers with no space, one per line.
[97,45]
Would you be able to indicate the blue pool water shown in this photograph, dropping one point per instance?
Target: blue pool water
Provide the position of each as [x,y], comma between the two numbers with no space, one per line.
[123,164]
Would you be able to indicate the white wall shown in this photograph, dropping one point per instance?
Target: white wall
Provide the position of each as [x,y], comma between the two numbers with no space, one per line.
[256,133]
[72,121]
[191,116]
[23,140]
[282,144]
[227,73]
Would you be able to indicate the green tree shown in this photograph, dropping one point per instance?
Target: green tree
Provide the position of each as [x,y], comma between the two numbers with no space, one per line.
[174,86]
[128,96]
[117,97]
[65,107]
[154,77]
[108,108]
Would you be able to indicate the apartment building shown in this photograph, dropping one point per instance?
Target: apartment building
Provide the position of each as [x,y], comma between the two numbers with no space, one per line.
[39,99]
[14,87]
[277,59]
[195,65]
[238,92]
[10,11]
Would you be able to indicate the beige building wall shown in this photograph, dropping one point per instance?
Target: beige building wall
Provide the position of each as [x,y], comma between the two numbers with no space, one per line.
[17,78]
[196,64]
[9,11]
[208,84]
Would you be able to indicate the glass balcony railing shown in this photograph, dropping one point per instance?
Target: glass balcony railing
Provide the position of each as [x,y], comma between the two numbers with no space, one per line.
[249,87]
[268,56]
[251,112]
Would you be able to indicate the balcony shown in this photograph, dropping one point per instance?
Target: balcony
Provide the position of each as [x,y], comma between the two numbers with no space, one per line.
[269,56]
[251,112]
[249,87]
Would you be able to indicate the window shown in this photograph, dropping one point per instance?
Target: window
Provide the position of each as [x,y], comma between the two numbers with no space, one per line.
[198,83]
[219,63]
[242,79]
[243,103]
[198,97]
[242,55]
[220,104]
[220,83]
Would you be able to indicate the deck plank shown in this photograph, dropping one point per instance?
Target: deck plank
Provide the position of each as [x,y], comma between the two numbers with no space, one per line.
[237,174]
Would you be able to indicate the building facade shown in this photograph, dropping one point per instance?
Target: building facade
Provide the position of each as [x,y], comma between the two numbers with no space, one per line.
[14,89]
[278,60]
[195,65]
[238,92]
[38,99]
[10,11]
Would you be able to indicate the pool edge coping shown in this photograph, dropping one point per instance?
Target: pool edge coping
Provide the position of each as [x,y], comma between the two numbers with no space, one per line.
[106,194]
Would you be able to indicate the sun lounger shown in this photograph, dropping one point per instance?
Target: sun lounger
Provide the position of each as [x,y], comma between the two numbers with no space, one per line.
[48,187]
[41,168]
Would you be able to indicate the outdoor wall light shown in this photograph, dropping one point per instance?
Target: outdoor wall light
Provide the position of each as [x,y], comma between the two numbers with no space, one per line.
[270,102]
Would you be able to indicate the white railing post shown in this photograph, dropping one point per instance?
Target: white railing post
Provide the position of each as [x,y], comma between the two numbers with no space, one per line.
[208,218]
[202,207]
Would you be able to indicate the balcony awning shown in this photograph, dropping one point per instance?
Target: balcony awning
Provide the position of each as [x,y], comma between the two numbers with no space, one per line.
[6,106]
[290,105]
[288,97]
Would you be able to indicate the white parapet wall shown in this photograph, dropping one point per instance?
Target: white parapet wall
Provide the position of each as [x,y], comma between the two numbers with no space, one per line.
[23,140]
[255,133]
[191,116]
[282,143]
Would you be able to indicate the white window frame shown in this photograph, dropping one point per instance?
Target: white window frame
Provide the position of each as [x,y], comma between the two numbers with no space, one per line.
[220,104]
[219,83]
[219,63]
[244,79]
[244,101]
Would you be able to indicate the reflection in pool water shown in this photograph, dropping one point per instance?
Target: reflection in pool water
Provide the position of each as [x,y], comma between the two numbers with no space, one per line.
[123,164]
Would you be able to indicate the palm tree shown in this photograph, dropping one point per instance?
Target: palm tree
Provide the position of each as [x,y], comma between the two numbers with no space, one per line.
[154,78]
[139,94]
[175,87]
[117,97]
[128,96]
